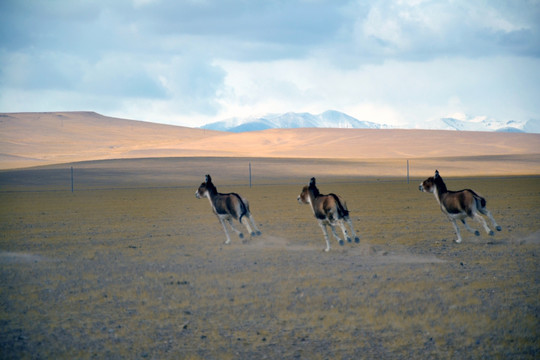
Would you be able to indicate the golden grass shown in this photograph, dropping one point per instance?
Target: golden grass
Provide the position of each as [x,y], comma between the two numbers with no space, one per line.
[143,273]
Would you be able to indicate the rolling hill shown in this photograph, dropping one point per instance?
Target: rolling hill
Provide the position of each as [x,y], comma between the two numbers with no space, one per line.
[31,139]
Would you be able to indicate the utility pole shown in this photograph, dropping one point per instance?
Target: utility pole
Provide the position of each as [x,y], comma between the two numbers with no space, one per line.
[407,171]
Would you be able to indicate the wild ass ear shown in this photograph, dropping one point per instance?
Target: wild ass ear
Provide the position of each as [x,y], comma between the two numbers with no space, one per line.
[207,178]
[312,181]
[436,173]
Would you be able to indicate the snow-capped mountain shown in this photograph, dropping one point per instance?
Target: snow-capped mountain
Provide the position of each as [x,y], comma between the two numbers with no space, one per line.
[290,120]
[479,125]
[336,119]
[485,124]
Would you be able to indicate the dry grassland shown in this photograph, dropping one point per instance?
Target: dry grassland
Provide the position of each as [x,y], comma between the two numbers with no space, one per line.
[143,273]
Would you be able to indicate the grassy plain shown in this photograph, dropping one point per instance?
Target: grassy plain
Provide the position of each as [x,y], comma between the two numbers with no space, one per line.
[137,271]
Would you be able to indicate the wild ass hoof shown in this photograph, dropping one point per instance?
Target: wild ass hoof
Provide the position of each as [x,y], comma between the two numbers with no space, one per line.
[491,233]
[458,241]
[357,240]
[241,236]
[477,233]
[326,249]
[499,228]
[341,242]
[349,239]
[258,233]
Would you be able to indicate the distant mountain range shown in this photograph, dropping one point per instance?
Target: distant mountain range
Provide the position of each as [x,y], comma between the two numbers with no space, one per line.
[292,120]
[336,119]
[530,126]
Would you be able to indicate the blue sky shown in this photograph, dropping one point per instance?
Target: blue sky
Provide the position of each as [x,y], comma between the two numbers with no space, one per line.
[190,62]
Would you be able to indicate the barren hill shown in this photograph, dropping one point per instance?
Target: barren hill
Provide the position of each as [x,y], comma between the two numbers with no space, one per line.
[29,139]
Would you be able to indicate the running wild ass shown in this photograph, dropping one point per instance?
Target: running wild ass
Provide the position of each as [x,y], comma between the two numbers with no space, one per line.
[458,205]
[227,207]
[329,210]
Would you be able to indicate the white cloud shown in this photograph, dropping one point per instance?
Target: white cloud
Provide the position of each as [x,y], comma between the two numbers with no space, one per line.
[397,93]
[422,30]
[188,62]
[386,30]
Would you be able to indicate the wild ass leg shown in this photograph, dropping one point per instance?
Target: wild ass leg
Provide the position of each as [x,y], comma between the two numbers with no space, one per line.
[488,214]
[339,240]
[453,221]
[222,221]
[469,229]
[238,232]
[247,220]
[481,220]
[325,233]
[257,231]
[356,238]
[344,230]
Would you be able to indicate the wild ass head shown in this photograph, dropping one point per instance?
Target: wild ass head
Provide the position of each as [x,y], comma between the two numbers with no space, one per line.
[206,188]
[304,197]
[430,183]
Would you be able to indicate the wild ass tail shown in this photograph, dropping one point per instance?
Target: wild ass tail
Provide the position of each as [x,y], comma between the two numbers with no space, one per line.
[243,207]
[480,201]
[342,212]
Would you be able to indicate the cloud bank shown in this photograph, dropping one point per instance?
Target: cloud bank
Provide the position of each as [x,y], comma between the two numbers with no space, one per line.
[191,62]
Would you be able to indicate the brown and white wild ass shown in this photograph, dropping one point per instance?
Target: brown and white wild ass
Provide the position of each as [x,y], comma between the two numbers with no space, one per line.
[458,205]
[329,210]
[226,207]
